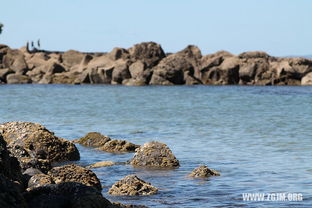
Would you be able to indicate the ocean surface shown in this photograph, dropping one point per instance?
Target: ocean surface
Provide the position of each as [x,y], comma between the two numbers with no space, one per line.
[258,138]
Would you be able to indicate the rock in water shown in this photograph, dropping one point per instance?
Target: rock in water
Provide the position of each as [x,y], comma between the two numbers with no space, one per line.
[131,185]
[101,164]
[203,171]
[75,173]
[32,141]
[154,154]
[119,146]
[93,139]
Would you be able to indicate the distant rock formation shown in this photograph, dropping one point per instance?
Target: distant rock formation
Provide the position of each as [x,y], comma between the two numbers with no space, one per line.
[147,64]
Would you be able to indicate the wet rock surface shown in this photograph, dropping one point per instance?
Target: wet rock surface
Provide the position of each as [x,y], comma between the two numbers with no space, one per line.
[75,173]
[93,139]
[146,63]
[35,146]
[118,146]
[203,171]
[68,194]
[154,154]
[105,143]
[131,185]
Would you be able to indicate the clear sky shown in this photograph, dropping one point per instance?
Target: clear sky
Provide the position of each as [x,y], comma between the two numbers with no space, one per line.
[279,27]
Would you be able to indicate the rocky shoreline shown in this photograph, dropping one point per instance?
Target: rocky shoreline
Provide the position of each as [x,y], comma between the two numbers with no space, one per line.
[28,180]
[147,64]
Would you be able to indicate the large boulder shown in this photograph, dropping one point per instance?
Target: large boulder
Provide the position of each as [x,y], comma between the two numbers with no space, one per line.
[203,171]
[10,179]
[4,73]
[75,173]
[154,154]
[15,60]
[93,139]
[227,73]
[150,53]
[307,79]
[119,53]
[17,79]
[71,58]
[39,180]
[131,185]
[118,146]
[172,70]
[120,71]
[67,194]
[34,141]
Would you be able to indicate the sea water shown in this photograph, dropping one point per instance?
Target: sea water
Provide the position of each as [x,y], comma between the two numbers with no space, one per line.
[258,138]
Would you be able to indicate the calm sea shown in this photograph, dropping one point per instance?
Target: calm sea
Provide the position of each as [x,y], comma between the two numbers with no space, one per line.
[259,138]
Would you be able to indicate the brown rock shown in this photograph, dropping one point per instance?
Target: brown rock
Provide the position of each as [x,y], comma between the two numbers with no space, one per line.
[39,180]
[203,171]
[171,71]
[15,60]
[67,194]
[118,146]
[120,72]
[17,79]
[101,164]
[137,69]
[93,139]
[307,79]
[154,154]
[149,53]
[71,58]
[131,185]
[33,140]
[75,173]
[4,73]
[119,53]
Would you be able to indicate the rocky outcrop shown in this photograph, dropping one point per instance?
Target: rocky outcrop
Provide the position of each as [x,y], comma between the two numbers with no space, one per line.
[154,154]
[203,171]
[146,63]
[35,146]
[307,79]
[75,173]
[131,185]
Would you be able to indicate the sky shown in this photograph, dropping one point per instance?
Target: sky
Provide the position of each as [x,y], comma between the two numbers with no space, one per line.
[279,27]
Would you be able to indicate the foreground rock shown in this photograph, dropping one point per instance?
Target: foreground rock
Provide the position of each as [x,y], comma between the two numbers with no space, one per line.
[75,173]
[131,185]
[203,171]
[35,146]
[68,194]
[154,154]
[10,179]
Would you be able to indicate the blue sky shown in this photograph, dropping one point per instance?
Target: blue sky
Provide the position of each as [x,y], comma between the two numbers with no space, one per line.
[279,27]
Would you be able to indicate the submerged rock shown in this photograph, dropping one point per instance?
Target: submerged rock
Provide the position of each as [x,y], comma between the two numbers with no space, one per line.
[203,171]
[132,185]
[118,146]
[75,173]
[154,154]
[67,194]
[93,139]
[35,146]
[120,205]
[101,164]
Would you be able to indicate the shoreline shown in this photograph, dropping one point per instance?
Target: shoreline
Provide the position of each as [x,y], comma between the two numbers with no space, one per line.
[147,64]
